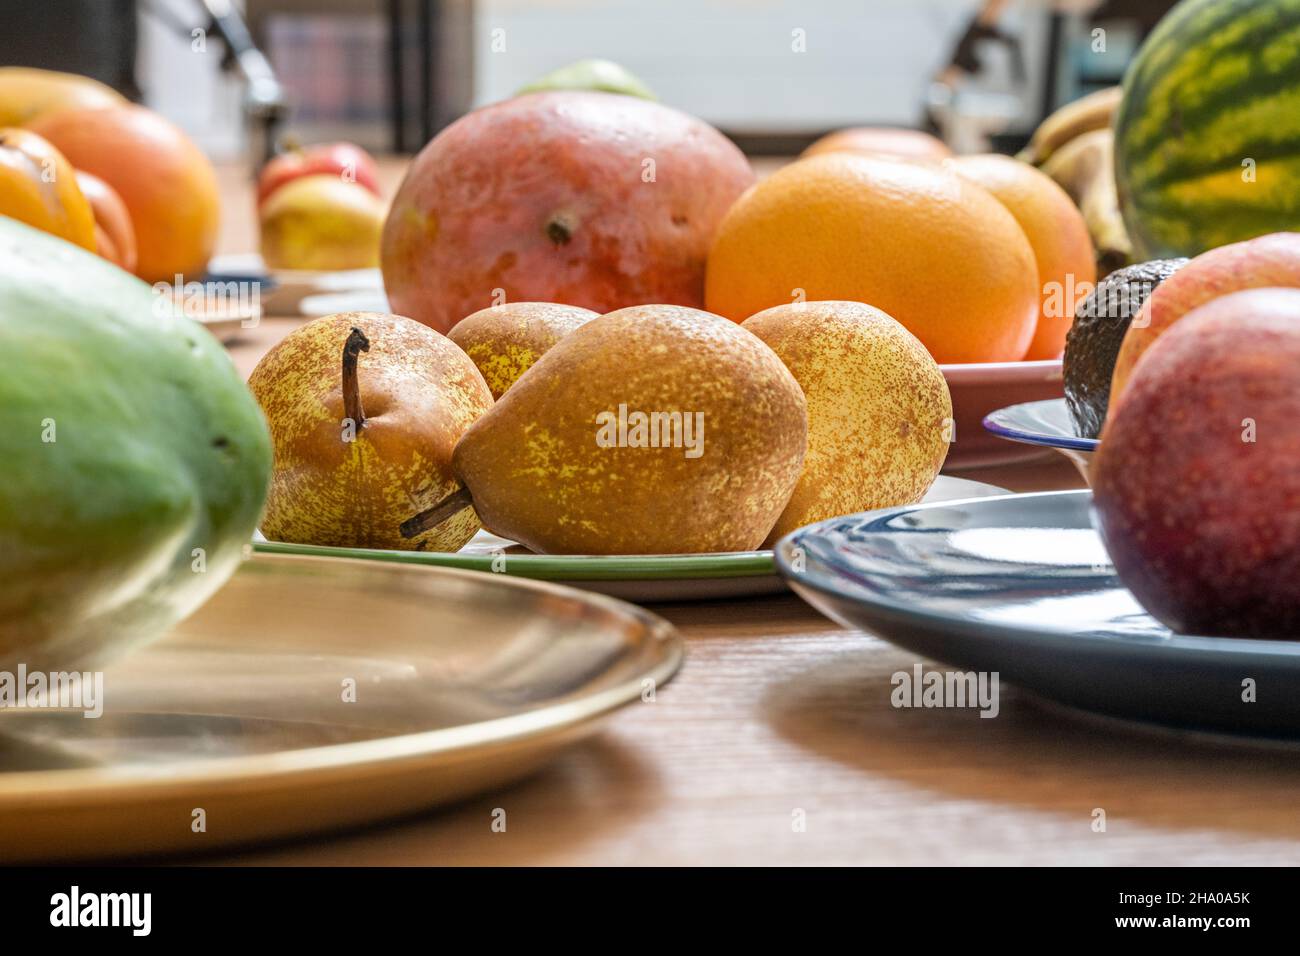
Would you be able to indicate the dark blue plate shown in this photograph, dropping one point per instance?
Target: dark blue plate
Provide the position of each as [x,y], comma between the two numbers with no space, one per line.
[1022,585]
[240,268]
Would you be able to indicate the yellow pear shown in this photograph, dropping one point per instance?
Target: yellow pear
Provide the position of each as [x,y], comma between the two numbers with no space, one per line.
[650,430]
[879,412]
[506,340]
[364,410]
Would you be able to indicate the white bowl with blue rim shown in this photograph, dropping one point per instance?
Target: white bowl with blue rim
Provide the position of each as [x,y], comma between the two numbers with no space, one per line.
[1047,424]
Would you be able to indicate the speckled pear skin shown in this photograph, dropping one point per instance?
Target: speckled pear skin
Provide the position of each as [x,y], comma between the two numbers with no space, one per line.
[419,393]
[539,476]
[506,340]
[879,412]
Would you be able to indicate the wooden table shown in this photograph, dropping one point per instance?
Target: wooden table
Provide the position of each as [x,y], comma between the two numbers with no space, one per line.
[780,715]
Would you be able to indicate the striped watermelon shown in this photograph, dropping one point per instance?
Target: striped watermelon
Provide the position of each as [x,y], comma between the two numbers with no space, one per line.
[1207,137]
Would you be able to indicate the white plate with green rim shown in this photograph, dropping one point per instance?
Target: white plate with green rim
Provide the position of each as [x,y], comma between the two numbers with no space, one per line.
[641,578]
[1047,424]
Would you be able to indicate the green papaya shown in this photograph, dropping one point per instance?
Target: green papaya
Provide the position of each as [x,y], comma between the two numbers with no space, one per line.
[134,460]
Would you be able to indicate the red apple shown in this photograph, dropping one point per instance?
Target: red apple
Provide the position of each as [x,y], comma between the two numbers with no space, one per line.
[345,160]
[1196,487]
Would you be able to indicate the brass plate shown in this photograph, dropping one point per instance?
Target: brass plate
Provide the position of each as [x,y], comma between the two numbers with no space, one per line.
[463,682]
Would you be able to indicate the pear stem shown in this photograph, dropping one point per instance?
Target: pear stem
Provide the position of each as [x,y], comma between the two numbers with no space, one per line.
[457,501]
[356,344]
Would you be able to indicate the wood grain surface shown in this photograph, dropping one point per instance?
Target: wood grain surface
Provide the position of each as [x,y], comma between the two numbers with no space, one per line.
[781,717]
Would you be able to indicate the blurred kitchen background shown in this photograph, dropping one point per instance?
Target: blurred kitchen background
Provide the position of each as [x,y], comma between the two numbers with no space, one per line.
[773,74]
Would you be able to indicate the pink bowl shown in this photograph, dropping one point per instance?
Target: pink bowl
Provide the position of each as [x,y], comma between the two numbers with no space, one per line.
[982,388]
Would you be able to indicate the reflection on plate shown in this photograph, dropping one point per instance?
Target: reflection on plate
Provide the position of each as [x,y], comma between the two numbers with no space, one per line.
[1021,586]
[310,694]
[1047,424]
[221,308]
[979,389]
[294,292]
[640,577]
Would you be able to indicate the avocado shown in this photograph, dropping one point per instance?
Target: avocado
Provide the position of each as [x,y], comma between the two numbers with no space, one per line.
[136,461]
[1092,344]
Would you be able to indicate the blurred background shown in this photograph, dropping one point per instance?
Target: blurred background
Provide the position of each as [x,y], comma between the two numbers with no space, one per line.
[772,74]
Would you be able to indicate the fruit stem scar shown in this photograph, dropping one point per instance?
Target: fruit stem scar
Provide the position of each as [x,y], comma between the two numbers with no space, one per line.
[559,231]
[432,517]
[356,343]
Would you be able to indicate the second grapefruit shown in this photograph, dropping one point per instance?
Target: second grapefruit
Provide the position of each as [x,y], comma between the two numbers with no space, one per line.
[932,249]
[1067,263]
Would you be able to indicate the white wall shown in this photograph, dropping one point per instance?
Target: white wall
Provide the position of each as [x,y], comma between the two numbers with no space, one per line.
[728,61]
[186,84]
[731,61]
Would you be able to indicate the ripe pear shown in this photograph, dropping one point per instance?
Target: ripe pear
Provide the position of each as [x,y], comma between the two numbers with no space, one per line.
[879,412]
[655,429]
[364,410]
[506,340]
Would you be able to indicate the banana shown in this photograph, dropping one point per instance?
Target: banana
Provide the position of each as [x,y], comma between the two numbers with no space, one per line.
[1085,168]
[1091,112]
[1077,164]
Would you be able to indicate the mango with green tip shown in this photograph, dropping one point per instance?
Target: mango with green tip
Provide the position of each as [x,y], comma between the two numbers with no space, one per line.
[594,200]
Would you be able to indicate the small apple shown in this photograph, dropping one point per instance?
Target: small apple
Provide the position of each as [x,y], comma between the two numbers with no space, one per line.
[1196,491]
[348,162]
[320,222]
[1272,260]
[114,234]
[533,196]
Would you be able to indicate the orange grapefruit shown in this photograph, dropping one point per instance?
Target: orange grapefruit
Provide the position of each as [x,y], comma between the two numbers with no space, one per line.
[906,143]
[1067,262]
[167,184]
[927,246]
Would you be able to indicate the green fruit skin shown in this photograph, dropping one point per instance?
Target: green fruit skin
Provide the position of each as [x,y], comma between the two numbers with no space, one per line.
[1216,84]
[601,76]
[159,449]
